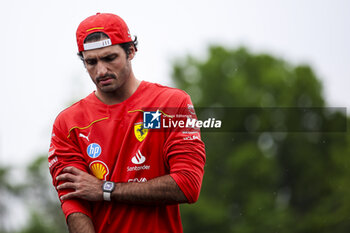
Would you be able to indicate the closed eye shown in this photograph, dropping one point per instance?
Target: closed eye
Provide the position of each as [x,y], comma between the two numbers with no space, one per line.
[90,61]
[109,58]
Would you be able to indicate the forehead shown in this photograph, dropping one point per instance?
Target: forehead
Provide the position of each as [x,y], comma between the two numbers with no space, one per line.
[102,52]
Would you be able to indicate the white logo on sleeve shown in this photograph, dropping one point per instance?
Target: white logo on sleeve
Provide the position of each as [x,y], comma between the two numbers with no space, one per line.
[138,158]
[84,136]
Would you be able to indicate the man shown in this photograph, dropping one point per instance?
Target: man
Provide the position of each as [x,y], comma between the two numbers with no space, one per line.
[113,171]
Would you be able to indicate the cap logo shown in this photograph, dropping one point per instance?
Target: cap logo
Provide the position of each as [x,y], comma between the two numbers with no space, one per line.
[96,28]
[97,44]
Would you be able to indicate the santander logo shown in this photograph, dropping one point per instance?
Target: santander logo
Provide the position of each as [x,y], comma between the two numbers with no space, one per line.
[138,158]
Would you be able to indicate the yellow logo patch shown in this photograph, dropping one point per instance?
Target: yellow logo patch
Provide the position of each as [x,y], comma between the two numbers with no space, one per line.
[99,169]
[140,132]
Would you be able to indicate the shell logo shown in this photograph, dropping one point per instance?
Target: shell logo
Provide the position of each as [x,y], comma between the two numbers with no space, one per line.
[99,169]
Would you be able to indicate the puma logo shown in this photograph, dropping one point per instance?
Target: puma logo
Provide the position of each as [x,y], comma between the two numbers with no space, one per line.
[83,136]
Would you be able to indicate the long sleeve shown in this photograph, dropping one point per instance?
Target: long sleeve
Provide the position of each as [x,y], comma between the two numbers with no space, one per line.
[63,153]
[185,153]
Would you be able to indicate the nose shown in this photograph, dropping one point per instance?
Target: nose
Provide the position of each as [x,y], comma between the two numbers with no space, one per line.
[101,69]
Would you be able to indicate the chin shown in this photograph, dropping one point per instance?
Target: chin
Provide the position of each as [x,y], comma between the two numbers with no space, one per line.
[109,89]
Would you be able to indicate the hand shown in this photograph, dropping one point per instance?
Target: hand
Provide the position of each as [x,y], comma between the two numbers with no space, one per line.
[86,186]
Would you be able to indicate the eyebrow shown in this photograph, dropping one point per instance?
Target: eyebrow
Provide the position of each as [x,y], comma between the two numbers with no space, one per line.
[101,57]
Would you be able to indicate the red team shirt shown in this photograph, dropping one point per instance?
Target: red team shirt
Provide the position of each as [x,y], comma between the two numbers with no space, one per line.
[110,142]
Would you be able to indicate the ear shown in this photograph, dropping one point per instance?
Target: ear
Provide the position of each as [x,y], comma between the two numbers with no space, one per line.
[81,57]
[132,52]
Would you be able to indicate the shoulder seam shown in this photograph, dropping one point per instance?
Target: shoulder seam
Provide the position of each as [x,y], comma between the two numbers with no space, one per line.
[85,127]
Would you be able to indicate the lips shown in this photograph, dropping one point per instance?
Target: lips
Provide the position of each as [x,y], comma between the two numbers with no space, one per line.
[105,80]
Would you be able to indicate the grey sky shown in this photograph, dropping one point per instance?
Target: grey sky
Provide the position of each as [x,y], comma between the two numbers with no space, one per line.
[41,73]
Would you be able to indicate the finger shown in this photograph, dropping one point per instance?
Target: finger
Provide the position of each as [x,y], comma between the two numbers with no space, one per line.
[67,185]
[68,196]
[66,177]
[72,170]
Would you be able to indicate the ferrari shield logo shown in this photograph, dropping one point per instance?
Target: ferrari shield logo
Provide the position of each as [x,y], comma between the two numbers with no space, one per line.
[140,132]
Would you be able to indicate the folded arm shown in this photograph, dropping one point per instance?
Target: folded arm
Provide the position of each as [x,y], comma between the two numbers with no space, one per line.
[160,190]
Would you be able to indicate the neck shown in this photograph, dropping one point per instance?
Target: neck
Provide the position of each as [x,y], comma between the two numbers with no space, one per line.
[121,94]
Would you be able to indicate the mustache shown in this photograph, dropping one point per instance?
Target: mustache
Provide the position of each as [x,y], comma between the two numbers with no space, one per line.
[106,76]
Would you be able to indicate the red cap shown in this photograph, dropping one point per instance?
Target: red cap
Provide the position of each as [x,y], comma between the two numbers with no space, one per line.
[111,24]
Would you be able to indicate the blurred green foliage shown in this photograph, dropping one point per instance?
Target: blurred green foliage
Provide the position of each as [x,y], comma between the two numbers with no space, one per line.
[37,194]
[255,181]
[265,181]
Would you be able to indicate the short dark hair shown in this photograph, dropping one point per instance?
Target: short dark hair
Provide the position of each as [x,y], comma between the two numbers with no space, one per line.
[97,36]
